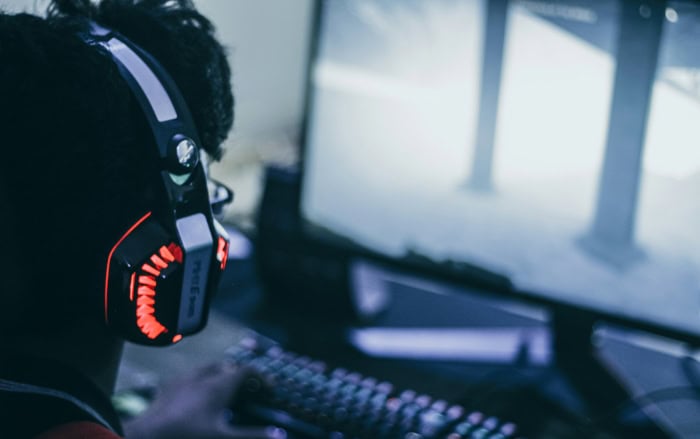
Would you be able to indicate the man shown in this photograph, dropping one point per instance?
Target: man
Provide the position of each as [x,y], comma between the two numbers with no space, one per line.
[77,171]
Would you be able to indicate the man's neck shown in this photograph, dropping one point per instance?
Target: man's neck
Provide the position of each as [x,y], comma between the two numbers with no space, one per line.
[95,354]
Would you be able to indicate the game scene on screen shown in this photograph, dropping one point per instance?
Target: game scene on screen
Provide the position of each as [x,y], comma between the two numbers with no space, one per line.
[393,163]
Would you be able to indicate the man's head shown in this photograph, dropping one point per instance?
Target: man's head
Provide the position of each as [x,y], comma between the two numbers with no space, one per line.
[79,157]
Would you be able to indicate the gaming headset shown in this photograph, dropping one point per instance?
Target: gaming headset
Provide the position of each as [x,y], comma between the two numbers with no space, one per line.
[163,270]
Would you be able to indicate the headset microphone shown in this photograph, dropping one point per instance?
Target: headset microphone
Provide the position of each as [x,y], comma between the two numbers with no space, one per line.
[163,270]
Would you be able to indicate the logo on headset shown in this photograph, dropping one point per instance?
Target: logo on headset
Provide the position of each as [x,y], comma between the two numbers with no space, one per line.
[195,289]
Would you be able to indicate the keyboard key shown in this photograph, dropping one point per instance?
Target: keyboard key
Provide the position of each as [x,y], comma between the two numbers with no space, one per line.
[432,422]
[393,405]
[369,382]
[302,361]
[464,428]
[408,395]
[508,429]
[491,423]
[274,352]
[475,418]
[455,412]
[440,405]
[335,384]
[289,370]
[385,387]
[480,433]
[339,373]
[353,378]
[317,366]
[423,400]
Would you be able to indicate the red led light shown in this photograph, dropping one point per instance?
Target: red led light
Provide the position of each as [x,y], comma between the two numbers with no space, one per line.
[131,286]
[148,285]
[111,253]
[177,338]
[148,269]
[176,251]
[147,280]
[145,311]
[158,262]
[148,291]
[145,300]
[166,254]
[222,252]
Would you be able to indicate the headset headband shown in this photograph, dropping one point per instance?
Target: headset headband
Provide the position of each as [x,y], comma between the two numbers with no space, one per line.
[162,272]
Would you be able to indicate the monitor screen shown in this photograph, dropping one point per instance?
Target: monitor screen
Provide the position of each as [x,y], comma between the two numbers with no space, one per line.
[512,140]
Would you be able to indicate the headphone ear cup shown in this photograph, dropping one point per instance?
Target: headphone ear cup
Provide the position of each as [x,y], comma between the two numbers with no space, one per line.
[143,284]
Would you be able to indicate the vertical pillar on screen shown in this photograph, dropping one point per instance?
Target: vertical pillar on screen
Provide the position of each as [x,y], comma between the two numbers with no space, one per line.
[492,62]
[613,227]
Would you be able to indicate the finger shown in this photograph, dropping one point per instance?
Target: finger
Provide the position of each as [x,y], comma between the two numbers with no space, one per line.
[213,369]
[197,375]
[223,386]
[251,387]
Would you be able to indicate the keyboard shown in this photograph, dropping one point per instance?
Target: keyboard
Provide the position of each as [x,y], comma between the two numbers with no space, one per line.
[311,400]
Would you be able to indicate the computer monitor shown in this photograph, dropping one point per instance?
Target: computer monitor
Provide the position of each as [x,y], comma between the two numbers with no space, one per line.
[554,143]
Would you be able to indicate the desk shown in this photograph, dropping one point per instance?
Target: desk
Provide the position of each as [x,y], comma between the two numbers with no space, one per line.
[638,367]
[630,357]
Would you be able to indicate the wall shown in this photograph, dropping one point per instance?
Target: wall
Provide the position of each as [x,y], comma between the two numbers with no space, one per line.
[267,42]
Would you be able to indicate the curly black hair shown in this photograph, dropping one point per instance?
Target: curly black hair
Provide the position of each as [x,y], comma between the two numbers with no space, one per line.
[78,156]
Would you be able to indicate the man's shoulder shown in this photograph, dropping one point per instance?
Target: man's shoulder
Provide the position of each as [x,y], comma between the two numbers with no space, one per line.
[41,395]
[78,430]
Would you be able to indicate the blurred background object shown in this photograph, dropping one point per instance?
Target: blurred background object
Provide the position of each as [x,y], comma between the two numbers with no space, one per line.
[267,42]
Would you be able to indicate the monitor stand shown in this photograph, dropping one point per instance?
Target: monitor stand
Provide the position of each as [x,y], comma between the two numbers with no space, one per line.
[566,347]
[576,357]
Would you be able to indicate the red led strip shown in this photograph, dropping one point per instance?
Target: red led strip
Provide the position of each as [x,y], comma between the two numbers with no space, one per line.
[222,252]
[131,286]
[145,284]
[145,311]
[148,284]
[111,253]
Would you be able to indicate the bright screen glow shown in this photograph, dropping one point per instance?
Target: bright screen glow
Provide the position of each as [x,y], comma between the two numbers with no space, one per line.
[391,141]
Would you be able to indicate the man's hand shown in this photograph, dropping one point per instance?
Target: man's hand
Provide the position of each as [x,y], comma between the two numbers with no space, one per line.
[195,407]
